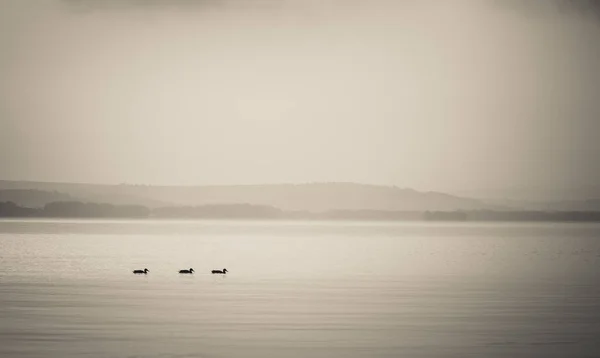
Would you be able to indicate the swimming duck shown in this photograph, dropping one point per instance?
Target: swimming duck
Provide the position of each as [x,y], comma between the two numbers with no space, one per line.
[223,271]
[144,271]
[191,270]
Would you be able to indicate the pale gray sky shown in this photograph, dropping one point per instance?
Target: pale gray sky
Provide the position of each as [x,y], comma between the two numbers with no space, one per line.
[434,95]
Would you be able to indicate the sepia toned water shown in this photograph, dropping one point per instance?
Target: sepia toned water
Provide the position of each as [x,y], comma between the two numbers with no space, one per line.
[298,289]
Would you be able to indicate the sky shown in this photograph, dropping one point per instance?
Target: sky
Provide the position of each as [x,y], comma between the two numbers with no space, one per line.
[433,95]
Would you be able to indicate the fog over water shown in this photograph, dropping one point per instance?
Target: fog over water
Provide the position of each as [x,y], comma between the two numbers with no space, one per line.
[453,96]
[298,289]
[299,111]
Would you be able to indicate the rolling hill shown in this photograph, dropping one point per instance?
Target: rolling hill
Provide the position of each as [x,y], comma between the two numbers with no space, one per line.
[314,197]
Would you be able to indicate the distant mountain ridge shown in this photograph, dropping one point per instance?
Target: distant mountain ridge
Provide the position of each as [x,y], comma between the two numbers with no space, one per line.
[314,197]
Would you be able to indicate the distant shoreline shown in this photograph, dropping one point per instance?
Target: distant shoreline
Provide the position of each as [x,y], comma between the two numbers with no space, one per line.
[81,210]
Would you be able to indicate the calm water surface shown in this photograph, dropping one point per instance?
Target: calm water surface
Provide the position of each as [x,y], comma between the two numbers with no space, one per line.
[298,289]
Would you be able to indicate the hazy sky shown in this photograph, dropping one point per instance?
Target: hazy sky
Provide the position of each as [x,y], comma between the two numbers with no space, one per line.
[435,95]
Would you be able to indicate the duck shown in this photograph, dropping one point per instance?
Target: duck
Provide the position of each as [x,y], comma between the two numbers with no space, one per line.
[191,270]
[144,271]
[223,271]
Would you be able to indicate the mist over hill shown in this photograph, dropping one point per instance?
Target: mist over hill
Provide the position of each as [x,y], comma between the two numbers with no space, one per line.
[314,197]
[32,198]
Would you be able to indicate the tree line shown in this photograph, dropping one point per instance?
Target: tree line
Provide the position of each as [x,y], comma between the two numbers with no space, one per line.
[77,209]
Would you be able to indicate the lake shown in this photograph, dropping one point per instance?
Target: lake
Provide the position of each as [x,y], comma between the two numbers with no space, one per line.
[298,289]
